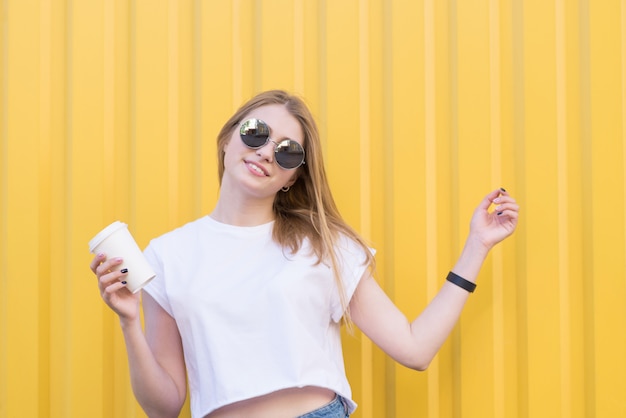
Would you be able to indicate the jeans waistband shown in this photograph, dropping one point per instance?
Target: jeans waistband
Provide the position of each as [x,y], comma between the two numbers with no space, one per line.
[338,408]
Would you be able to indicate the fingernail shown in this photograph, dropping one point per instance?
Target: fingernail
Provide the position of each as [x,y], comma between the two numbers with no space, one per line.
[499,213]
[124,271]
[123,282]
[502,188]
[100,255]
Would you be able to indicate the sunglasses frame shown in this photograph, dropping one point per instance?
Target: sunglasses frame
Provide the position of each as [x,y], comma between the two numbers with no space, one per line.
[259,124]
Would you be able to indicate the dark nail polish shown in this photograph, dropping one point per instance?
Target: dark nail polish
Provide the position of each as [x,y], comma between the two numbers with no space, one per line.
[499,213]
[124,271]
[123,282]
[502,188]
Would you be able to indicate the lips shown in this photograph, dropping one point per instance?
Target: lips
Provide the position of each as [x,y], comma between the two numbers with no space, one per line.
[260,170]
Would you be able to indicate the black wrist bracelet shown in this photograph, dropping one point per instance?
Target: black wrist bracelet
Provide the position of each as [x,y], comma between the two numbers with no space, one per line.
[461,282]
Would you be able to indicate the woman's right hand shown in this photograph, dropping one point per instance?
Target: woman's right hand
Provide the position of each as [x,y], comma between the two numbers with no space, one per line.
[113,287]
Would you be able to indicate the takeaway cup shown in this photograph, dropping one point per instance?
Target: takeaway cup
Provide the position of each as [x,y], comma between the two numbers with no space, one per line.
[116,241]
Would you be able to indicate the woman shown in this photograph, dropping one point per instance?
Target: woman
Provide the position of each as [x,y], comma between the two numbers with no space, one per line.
[248,300]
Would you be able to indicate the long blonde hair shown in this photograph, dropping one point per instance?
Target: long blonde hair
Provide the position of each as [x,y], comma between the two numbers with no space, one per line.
[308,210]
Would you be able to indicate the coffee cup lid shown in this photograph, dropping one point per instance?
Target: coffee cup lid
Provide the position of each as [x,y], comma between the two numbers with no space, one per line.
[102,235]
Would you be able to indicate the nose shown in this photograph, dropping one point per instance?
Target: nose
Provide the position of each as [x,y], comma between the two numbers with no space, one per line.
[267,151]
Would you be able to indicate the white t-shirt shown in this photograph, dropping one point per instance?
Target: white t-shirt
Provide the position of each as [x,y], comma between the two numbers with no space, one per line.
[253,318]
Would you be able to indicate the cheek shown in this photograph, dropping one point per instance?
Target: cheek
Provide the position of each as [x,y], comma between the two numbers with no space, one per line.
[292,179]
[232,143]
[229,154]
[230,149]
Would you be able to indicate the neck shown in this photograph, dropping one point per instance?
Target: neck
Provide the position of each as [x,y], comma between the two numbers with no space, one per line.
[246,212]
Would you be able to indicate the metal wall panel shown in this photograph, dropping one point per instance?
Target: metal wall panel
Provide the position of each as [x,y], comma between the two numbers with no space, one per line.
[109,110]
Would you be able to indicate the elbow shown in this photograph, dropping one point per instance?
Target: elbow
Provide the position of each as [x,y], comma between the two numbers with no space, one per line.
[170,409]
[417,361]
[420,366]
[158,413]
[160,403]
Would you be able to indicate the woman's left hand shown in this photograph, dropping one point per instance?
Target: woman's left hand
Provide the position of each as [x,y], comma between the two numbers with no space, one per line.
[491,227]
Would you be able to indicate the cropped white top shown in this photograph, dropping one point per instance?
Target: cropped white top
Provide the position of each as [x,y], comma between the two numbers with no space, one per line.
[253,318]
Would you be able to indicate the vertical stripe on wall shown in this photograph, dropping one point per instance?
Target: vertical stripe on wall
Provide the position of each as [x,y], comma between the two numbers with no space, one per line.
[109,110]
[4,151]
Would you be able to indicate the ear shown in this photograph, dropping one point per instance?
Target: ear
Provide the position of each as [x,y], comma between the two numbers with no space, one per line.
[225,145]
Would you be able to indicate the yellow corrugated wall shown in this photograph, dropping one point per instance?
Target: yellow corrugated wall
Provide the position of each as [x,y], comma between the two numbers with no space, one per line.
[109,110]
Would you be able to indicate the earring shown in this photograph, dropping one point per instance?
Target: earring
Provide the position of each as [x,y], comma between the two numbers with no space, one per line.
[285,188]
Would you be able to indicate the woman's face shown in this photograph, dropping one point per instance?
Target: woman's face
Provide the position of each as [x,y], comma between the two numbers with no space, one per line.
[255,170]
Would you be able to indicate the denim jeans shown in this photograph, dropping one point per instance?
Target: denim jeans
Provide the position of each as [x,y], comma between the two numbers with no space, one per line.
[336,409]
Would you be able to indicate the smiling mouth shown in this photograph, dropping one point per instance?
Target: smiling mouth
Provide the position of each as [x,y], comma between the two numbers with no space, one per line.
[256,168]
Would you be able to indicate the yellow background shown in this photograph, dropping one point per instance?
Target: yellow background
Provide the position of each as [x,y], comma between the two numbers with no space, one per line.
[109,110]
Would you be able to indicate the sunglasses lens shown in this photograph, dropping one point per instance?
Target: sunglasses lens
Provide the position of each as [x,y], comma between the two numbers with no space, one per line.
[289,154]
[254,133]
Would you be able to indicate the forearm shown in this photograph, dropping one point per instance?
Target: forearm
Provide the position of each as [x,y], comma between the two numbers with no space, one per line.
[154,389]
[433,326]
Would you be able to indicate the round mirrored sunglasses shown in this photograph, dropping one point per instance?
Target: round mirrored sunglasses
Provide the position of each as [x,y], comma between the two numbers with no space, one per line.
[288,153]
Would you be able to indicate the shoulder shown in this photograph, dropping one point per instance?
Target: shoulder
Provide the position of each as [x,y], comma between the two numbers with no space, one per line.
[348,246]
[181,235]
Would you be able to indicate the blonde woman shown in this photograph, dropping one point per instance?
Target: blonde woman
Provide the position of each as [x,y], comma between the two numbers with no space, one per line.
[248,301]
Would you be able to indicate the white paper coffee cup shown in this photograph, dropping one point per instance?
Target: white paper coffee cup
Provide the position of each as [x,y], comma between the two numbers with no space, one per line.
[116,241]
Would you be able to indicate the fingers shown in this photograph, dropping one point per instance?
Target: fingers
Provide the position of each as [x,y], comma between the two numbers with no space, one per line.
[100,265]
[108,272]
[510,209]
[96,261]
[504,203]
[113,287]
[495,197]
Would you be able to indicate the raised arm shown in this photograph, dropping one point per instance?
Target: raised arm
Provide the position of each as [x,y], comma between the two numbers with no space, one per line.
[155,359]
[416,343]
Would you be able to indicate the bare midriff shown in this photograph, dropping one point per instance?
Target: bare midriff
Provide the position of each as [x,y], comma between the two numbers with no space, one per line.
[286,403]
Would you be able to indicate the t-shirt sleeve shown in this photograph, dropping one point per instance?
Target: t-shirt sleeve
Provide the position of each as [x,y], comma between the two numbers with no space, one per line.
[157,287]
[352,264]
